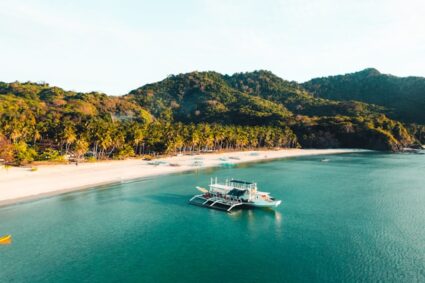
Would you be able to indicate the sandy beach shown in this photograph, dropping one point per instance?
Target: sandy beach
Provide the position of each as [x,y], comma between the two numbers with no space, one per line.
[21,184]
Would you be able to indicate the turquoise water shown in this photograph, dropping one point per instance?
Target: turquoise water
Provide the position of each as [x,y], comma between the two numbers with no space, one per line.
[357,218]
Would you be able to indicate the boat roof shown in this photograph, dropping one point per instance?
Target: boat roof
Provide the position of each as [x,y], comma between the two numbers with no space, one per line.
[226,187]
[236,192]
[241,182]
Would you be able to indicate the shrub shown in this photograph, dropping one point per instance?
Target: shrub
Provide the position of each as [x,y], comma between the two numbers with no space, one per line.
[6,150]
[51,155]
[125,152]
[91,159]
[23,154]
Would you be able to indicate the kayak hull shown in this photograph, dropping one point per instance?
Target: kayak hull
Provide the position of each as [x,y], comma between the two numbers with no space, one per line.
[6,240]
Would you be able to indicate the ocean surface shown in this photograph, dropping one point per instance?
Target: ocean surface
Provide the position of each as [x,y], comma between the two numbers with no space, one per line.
[356,218]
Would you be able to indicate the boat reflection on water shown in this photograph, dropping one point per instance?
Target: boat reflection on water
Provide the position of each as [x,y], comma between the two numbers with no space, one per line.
[250,219]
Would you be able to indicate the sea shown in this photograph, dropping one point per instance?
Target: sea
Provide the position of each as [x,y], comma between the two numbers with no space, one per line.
[357,217]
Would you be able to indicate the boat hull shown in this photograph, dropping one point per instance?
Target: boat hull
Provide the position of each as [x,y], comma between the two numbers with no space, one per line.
[6,240]
[265,203]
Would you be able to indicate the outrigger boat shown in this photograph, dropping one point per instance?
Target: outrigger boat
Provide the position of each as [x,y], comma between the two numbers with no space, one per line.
[231,194]
[6,240]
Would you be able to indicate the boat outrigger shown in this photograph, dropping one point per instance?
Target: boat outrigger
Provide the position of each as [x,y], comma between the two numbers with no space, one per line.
[231,194]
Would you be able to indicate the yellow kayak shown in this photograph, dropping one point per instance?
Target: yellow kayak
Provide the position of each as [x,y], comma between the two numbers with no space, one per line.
[6,240]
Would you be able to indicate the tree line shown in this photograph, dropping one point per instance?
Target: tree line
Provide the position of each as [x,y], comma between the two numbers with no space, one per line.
[102,139]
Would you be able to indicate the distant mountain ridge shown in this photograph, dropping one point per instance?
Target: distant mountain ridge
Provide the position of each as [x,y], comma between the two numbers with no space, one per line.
[403,97]
[209,92]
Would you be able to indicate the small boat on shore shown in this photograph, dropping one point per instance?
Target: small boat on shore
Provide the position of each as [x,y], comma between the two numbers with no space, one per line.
[411,150]
[234,157]
[198,163]
[157,163]
[6,240]
[231,194]
[227,164]
[254,153]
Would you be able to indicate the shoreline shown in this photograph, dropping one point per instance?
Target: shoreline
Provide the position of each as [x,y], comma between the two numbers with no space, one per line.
[18,185]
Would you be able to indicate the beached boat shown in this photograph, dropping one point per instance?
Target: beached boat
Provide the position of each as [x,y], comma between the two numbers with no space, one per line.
[234,158]
[227,164]
[411,150]
[157,163]
[198,163]
[6,240]
[231,194]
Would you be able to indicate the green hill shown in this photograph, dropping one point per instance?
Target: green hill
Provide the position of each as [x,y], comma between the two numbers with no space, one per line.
[36,118]
[206,97]
[268,86]
[262,98]
[403,98]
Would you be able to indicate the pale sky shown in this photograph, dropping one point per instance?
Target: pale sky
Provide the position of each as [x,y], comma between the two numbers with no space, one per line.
[116,46]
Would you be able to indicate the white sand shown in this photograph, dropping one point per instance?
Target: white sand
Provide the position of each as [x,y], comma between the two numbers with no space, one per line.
[19,184]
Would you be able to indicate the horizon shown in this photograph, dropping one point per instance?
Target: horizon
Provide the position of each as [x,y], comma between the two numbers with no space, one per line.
[110,48]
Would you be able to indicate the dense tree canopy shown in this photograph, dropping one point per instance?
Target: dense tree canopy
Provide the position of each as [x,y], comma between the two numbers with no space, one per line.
[403,98]
[188,112]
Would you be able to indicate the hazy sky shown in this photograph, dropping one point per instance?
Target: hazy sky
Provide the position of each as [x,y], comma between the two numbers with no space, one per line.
[116,46]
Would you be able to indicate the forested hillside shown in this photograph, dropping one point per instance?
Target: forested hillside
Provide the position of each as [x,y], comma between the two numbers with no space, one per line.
[261,98]
[207,97]
[403,98]
[187,112]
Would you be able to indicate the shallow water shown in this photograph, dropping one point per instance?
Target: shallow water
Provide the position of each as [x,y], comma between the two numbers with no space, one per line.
[358,217]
